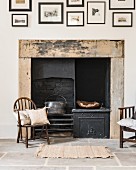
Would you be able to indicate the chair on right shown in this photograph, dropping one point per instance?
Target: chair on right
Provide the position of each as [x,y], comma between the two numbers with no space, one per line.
[126,112]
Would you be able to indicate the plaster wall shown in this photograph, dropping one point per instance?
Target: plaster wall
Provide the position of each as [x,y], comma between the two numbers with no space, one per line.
[9,52]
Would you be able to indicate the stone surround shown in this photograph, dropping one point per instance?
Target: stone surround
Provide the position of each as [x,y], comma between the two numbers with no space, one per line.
[113,49]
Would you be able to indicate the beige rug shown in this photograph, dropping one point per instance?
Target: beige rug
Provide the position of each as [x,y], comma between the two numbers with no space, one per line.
[53,151]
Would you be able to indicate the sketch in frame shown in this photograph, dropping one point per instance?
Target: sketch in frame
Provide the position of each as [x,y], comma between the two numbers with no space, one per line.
[121,4]
[122,19]
[51,13]
[75,18]
[96,12]
[20,5]
[19,20]
[75,3]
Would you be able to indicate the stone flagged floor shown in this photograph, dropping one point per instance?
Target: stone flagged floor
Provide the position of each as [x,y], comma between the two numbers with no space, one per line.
[15,156]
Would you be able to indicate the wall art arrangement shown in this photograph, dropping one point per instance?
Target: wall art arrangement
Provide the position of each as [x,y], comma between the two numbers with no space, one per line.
[20,5]
[20,20]
[53,12]
[50,13]
[122,4]
[75,18]
[75,3]
[122,19]
[96,12]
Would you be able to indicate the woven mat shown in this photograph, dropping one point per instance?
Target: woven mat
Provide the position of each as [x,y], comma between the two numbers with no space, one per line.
[53,151]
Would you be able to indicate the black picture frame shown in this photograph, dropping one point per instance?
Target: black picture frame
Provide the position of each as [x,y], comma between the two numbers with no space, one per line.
[121,5]
[26,6]
[19,20]
[75,18]
[96,12]
[122,19]
[75,4]
[49,15]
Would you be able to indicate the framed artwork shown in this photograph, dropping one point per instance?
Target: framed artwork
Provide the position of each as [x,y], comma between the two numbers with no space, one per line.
[20,5]
[75,18]
[75,3]
[121,4]
[19,20]
[122,19]
[96,12]
[51,13]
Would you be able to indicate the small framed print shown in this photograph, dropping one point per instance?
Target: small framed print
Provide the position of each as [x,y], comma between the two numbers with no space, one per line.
[122,4]
[20,5]
[75,18]
[96,12]
[75,3]
[122,19]
[51,13]
[19,20]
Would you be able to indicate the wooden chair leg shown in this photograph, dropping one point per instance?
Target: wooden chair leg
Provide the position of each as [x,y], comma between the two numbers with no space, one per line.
[18,136]
[32,133]
[21,133]
[26,140]
[121,137]
[47,135]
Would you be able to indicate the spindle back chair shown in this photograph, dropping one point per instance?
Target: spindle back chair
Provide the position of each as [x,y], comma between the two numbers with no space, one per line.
[126,112]
[21,104]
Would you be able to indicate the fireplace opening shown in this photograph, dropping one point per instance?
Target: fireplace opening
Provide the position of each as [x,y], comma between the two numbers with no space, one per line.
[85,79]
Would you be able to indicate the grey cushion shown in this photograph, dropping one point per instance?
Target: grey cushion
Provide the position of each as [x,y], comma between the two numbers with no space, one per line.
[128,122]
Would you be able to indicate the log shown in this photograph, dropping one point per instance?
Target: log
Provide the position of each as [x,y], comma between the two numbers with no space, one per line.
[86,104]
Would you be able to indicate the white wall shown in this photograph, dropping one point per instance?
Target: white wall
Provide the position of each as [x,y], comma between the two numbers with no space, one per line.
[9,37]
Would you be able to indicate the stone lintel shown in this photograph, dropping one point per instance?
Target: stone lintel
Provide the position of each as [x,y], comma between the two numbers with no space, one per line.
[71,48]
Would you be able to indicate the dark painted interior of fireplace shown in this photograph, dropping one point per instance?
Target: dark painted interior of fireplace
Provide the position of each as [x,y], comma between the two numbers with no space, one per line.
[76,79]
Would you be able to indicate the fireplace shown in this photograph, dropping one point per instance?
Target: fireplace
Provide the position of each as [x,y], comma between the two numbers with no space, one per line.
[108,56]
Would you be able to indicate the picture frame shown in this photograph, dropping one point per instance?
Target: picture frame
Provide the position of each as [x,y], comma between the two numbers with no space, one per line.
[96,11]
[51,13]
[121,4]
[20,5]
[75,18]
[122,19]
[19,20]
[75,3]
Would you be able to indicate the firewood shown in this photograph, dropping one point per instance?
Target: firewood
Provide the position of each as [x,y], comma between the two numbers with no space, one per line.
[86,104]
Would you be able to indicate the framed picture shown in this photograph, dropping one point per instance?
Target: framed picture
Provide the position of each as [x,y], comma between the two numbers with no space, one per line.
[19,20]
[20,5]
[96,12]
[51,13]
[75,3]
[122,19]
[121,4]
[75,18]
